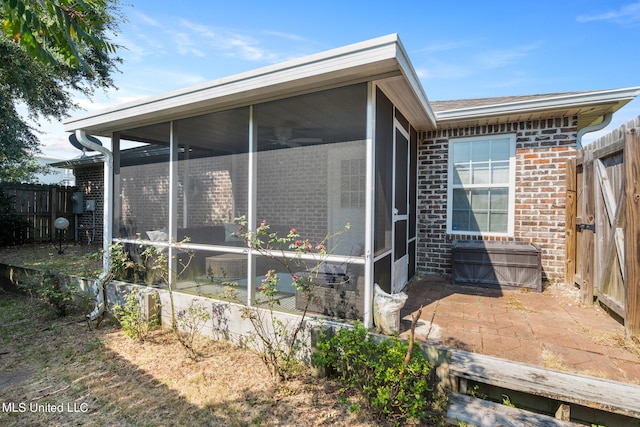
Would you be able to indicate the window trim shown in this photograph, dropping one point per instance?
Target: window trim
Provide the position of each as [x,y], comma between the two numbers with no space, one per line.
[511,186]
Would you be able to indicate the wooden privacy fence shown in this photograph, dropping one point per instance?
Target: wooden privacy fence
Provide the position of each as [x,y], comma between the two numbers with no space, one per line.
[40,205]
[603,223]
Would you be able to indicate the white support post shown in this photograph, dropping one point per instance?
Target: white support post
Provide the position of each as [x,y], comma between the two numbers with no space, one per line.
[173,203]
[369,208]
[252,200]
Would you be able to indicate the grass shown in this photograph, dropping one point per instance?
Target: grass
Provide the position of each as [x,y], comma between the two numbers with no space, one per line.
[101,377]
[77,260]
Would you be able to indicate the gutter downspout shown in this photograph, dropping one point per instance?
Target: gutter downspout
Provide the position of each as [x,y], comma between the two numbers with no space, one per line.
[606,119]
[107,225]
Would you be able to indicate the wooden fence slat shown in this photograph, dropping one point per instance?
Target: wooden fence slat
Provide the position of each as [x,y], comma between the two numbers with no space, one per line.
[40,205]
[570,223]
[613,212]
[632,219]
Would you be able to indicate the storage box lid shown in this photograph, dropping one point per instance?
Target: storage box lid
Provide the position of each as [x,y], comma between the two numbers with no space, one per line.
[474,245]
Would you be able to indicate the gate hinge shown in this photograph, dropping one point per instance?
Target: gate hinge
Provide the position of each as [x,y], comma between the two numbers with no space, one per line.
[582,227]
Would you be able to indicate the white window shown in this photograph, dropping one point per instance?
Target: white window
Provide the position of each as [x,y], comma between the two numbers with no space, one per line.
[353,183]
[481,182]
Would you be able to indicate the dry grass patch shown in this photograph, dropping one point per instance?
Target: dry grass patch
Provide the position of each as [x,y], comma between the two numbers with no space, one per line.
[513,303]
[613,339]
[109,379]
[553,360]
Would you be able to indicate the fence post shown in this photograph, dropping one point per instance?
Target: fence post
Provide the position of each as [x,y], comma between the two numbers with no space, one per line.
[632,227]
[53,203]
[588,235]
[570,224]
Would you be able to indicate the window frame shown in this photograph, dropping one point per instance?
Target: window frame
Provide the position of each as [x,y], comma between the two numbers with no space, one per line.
[510,186]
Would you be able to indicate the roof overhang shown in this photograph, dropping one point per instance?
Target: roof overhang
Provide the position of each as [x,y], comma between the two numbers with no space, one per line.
[589,107]
[382,60]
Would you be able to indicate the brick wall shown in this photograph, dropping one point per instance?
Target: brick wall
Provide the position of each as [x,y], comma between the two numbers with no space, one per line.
[292,191]
[90,180]
[542,150]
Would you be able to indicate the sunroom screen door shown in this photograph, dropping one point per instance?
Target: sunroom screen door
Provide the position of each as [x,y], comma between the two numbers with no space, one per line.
[401,210]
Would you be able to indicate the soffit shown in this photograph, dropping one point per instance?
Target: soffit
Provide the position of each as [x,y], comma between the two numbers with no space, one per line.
[378,59]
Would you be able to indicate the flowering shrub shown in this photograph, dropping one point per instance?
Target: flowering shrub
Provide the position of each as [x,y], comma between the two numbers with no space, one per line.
[189,322]
[278,342]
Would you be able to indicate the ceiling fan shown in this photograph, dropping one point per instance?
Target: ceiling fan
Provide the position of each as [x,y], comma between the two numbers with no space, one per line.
[283,138]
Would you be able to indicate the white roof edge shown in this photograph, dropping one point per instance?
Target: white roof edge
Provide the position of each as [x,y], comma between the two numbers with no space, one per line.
[563,101]
[335,60]
[414,82]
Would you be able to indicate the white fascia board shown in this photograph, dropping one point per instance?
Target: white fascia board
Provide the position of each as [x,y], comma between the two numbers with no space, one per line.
[551,103]
[376,57]
[414,83]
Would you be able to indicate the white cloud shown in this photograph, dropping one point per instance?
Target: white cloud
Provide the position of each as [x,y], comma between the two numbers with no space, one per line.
[444,46]
[229,43]
[290,36]
[626,15]
[446,70]
[185,45]
[502,57]
[423,73]
[137,17]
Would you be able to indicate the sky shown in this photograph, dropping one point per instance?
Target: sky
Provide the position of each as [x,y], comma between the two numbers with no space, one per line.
[459,49]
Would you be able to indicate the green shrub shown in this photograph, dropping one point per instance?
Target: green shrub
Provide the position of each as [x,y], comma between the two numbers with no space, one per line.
[131,317]
[53,288]
[393,390]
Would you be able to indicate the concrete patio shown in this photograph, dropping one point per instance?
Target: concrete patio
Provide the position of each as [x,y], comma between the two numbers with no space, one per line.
[549,329]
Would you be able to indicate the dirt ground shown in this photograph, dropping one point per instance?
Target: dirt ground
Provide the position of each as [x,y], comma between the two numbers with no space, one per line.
[57,372]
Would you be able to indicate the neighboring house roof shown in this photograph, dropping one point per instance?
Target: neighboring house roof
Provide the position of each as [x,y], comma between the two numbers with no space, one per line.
[53,176]
[129,154]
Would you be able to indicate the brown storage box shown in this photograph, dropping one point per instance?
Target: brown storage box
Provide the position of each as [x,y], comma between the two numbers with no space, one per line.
[497,264]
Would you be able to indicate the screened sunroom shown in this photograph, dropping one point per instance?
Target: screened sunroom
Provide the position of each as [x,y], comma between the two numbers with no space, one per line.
[324,146]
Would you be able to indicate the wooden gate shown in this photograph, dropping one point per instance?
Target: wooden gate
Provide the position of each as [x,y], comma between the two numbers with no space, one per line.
[603,212]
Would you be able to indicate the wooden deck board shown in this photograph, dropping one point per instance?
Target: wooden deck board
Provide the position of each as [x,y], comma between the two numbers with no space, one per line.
[483,413]
[606,395]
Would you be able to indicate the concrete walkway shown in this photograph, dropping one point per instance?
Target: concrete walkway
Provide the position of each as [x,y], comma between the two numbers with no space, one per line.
[549,329]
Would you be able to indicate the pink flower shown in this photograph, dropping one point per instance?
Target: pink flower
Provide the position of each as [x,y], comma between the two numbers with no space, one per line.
[295,277]
[263,223]
[239,228]
[292,231]
[261,288]
[297,243]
